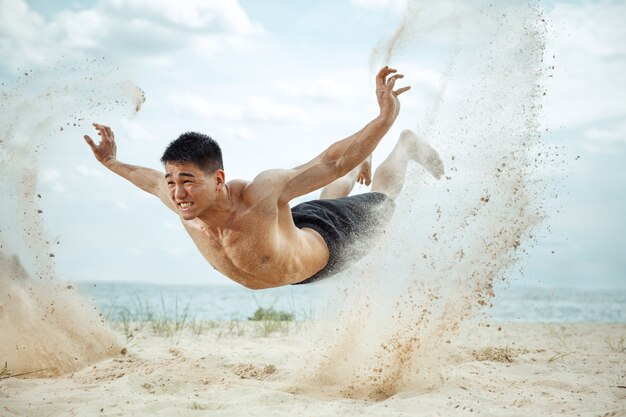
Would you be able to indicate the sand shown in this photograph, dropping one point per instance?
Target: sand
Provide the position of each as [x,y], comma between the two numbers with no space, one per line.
[554,369]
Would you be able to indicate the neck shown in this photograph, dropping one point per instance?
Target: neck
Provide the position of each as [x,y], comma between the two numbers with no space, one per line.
[221,210]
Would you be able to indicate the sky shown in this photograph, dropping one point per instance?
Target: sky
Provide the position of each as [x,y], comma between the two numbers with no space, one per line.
[275,82]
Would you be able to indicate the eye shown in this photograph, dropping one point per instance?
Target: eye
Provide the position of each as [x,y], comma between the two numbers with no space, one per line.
[187,182]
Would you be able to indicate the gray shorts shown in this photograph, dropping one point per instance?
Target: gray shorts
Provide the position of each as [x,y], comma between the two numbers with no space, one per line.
[349,225]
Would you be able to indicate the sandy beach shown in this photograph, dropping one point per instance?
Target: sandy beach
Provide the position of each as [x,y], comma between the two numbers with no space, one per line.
[234,369]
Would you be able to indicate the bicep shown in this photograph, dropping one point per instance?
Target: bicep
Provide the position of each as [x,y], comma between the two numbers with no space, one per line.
[337,160]
[163,194]
[315,174]
[309,177]
[153,182]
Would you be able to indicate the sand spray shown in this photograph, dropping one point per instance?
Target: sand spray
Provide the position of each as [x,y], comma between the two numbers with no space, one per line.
[390,324]
[45,325]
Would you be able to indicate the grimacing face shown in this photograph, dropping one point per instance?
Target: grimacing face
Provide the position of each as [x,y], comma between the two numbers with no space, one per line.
[192,190]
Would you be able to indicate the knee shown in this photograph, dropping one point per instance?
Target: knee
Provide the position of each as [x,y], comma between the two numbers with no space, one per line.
[339,188]
[405,136]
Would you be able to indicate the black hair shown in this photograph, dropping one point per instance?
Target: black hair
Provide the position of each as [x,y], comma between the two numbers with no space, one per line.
[197,148]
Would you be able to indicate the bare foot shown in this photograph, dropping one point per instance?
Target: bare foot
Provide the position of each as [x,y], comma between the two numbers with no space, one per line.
[423,153]
[365,172]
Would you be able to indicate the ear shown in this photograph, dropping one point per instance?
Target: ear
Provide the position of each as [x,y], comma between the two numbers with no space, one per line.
[220,178]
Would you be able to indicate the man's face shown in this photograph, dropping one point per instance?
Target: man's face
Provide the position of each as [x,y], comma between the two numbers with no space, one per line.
[192,190]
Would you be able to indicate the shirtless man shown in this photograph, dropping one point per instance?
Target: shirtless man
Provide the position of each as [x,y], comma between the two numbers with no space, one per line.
[248,231]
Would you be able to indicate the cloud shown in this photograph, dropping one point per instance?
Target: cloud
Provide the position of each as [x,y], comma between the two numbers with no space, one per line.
[136,131]
[23,34]
[213,15]
[328,86]
[133,29]
[604,139]
[177,227]
[134,250]
[610,135]
[265,109]
[255,109]
[395,5]
[174,251]
[52,179]
[199,106]
[588,42]
[121,204]
[85,171]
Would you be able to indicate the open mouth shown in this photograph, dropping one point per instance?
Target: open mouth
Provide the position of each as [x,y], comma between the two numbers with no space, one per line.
[185,206]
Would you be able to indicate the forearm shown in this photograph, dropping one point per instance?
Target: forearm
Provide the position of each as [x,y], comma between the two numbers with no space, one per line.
[145,178]
[353,150]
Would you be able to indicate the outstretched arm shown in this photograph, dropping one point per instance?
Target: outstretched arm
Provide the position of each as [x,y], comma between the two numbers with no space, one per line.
[342,156]
[149,180]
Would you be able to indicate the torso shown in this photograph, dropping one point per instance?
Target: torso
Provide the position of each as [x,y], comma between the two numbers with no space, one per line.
[258,245]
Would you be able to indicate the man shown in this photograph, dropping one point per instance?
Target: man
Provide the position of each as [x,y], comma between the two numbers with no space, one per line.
[247,230]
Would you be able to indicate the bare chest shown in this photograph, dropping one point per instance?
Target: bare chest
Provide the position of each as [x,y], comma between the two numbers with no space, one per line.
[245,249]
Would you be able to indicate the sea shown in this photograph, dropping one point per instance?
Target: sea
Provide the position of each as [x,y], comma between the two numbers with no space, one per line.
[133,301]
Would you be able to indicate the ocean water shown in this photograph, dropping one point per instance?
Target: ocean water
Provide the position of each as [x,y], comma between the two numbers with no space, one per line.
[228,302]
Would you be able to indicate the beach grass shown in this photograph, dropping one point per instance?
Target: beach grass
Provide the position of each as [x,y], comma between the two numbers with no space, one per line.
[268,321]
[558,355]
[173,321]
[560,334]
[494,354]
[618,345]
[5,373]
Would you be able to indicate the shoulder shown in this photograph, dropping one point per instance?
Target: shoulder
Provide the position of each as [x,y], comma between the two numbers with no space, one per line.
[267,186]
[236,187]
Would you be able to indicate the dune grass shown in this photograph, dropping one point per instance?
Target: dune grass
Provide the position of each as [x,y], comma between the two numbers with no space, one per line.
[561,336]
[174,321]
[618,345]
[494,354]
[5,373]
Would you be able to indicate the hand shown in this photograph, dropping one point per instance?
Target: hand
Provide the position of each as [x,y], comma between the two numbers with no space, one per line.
[106,150]
[385,94]
[365,172]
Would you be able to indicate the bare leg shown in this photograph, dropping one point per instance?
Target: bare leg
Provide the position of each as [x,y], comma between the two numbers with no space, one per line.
[341,187]
[389,177]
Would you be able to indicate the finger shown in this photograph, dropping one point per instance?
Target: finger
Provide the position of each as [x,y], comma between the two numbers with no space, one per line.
[90,142]
[99,128]
[380,77]
[401,90]
[394,78]
[105,132]
[381,71]
[110,135]
[389,71]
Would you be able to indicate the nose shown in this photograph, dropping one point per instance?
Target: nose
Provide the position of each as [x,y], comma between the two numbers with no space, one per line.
[179,193]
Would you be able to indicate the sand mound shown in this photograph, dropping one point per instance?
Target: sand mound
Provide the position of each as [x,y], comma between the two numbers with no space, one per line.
[47,326]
